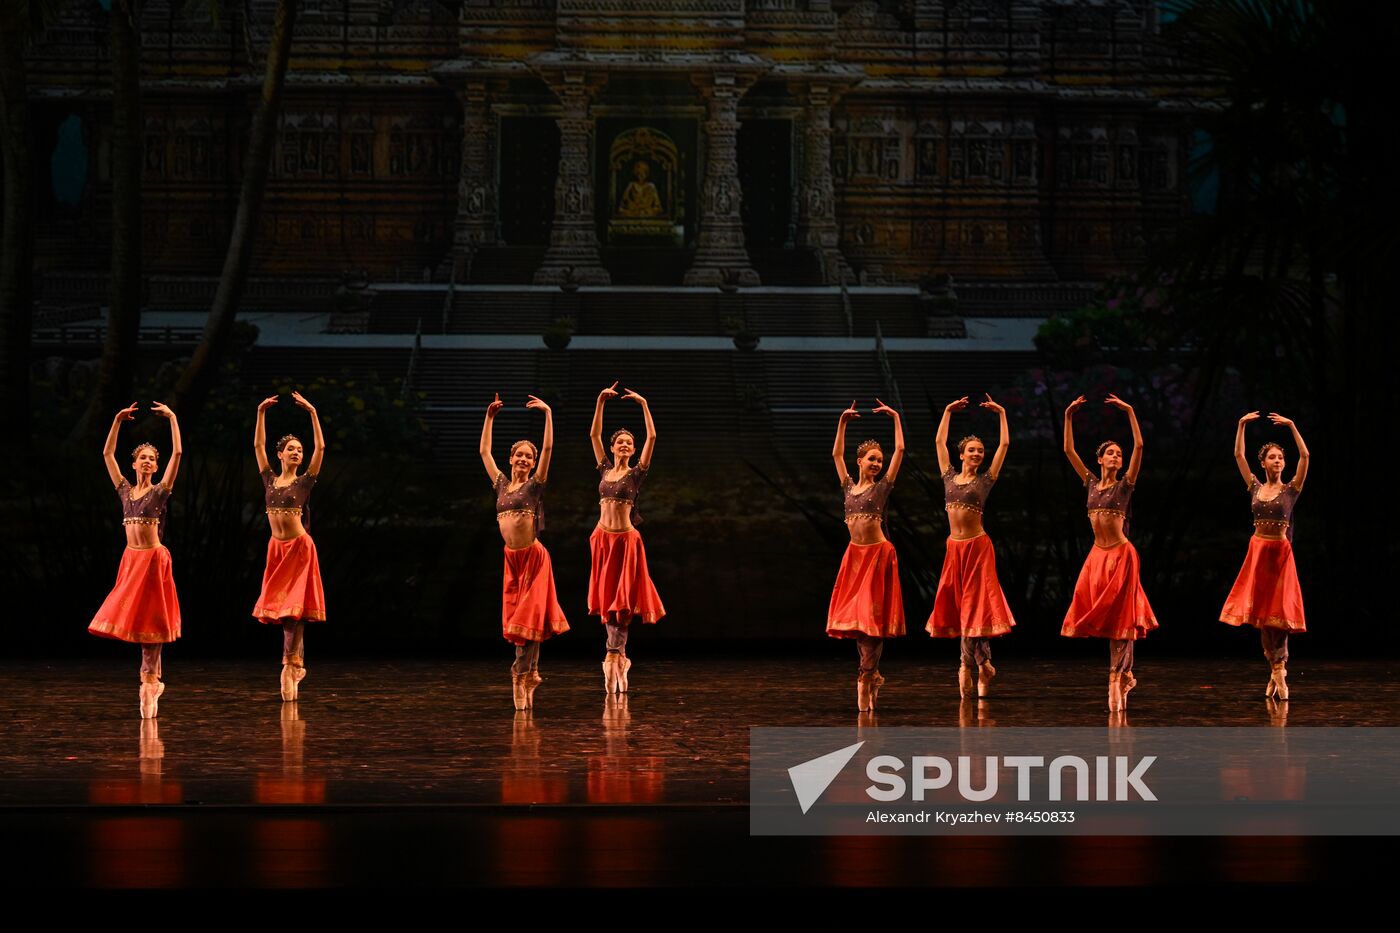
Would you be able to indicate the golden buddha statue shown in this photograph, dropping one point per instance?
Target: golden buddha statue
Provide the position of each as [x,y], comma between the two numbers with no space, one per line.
[640,199]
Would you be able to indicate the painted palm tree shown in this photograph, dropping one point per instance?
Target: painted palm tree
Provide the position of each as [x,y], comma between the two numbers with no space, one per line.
[21,22]
[1285,272]
[199,375]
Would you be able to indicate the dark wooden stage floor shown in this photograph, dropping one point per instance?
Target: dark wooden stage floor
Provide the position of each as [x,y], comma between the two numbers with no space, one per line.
[422,773]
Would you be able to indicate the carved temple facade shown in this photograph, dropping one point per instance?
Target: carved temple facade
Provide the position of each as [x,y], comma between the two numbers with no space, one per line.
[595,141]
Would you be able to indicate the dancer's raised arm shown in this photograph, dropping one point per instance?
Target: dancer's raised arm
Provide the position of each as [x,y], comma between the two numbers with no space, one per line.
[260,434]
[999,457]
[897,458]
[1080,470]
[547,445]
[484,448]
[1301,473]
[838,449]
[644,461]
[109,448]
[172,466]
[1135,463]
[940,439]
[313,466]
[1242,462]
[595,433]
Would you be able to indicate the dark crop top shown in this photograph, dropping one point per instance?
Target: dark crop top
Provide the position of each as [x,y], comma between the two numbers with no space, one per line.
[1116,499]
[622,490]
[290,498]
[971,496]
[873,501]
[1273,514]
[147,510]
[527,500]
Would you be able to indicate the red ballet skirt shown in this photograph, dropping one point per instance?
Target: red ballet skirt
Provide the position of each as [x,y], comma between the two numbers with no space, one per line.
[866,599]
[619,588]
[291,587]
[1266,594]
[1108,599]
[530,608]
[969,602]
[142,607]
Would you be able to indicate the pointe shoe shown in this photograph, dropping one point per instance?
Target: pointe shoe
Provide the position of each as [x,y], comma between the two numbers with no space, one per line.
[289,683]
[1128,682]
[517,689]
[1115,693]
[864,683]
[1279,682]
[150,699]
[965,688]
[532,680]
[624,664]
[876,683]
[610,672]
[985,673]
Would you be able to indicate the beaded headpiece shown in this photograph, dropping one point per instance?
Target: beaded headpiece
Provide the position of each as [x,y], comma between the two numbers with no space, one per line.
[1264,451]
[138,448]
[1105,445]
[534,451]
[971,437]
[868,445]
[282,441]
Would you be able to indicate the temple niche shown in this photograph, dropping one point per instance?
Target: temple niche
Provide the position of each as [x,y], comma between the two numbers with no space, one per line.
[651,141]
[644,174]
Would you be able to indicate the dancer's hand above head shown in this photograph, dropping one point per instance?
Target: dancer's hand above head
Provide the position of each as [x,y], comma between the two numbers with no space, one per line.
[956,405]
[991,405]
[302,402]
[1081,471]
[109,447]
[609,392]
[1280,420]
[633,396]
[536,403]
[1134,461]
[267,403]
[495,406]
[849,413]
[161,410]
[1118,403]
[897,457]
[1249,416]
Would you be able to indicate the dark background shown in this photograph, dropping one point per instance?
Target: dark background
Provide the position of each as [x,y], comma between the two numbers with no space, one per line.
[1267,294]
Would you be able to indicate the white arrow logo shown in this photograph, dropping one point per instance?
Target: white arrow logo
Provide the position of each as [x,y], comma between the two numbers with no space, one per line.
[811,778]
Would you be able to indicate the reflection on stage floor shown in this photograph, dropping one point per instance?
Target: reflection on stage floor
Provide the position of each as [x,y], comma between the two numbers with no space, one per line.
[373,754]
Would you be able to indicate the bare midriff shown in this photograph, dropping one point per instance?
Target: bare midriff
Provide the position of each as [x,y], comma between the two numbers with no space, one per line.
[517,528]
[142,533]
[285,523]
[615,515]
[1270,530]
[865,529]
[1108,527]
[964,523]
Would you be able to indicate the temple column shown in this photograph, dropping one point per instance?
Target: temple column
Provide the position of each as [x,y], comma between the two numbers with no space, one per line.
[816,225]
[573,239]
[477,218]
[720,254]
